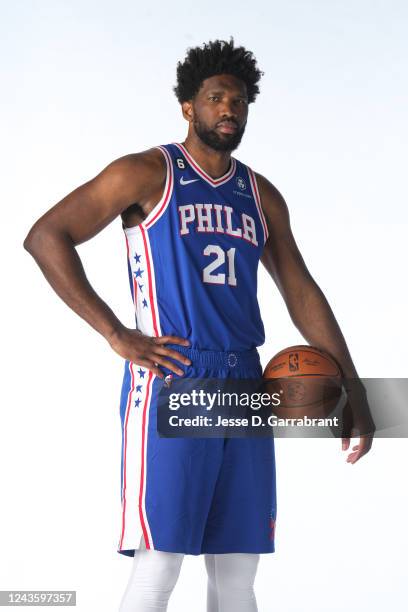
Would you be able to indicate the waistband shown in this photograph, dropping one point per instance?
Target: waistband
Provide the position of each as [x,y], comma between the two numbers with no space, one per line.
[221,359]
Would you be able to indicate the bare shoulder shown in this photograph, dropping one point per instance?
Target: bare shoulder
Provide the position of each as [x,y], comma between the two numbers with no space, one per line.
[150,160]
[131,182]
[136,173]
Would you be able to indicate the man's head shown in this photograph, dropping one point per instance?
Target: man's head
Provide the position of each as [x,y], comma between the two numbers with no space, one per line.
[215,84]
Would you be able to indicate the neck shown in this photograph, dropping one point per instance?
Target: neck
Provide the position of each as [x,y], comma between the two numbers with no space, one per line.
[215,163]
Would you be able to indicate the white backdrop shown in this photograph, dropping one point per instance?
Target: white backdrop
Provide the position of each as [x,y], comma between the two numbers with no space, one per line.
[84,82]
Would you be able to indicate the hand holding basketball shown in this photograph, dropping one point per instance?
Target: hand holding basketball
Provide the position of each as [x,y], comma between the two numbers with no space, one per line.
[309,381]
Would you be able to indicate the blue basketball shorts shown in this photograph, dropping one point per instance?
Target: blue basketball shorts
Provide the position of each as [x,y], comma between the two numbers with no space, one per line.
[193,495]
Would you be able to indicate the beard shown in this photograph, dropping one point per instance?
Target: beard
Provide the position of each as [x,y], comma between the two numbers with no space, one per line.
[224,142]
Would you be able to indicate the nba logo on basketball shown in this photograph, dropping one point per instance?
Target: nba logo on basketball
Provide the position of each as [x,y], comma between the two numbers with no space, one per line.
[294,362]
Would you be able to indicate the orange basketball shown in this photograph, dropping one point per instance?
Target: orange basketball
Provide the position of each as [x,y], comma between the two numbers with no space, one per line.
[308,380]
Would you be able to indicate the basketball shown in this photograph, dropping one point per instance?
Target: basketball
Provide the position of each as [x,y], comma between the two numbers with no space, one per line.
[308,380]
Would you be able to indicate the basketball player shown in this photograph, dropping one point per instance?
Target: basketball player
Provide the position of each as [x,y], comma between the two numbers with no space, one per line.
[196,222]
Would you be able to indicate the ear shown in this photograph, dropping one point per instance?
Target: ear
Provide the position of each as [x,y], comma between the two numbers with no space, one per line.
[187,110]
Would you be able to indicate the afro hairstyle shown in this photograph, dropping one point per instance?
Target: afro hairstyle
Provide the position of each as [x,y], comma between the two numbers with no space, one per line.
[212,58]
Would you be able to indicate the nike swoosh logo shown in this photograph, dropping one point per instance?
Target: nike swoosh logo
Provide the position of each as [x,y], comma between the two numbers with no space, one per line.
[184,182]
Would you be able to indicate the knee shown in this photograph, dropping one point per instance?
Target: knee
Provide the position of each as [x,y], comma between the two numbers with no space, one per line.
[166,571]
[235,575]
[159,570]
[154,576]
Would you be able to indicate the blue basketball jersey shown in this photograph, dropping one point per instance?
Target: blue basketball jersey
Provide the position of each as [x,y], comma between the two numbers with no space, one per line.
[193,261]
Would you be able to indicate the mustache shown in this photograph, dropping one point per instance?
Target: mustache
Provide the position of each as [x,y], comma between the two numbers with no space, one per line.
[227,122]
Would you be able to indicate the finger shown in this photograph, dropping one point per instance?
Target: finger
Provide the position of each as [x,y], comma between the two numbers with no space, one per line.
[171,340]
[366,441]
[174,354]
[146,363]
[345,443]
[168,364]
[360,449]
[354,457]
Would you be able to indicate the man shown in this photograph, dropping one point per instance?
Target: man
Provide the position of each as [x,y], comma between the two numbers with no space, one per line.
[196,222]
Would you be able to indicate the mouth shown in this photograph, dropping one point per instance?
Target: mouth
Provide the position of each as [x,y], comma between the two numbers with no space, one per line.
[227,127]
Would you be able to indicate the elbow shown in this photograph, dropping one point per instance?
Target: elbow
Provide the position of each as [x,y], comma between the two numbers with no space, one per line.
[32,242]
[28,242]
[302,301]
[44,239]
[38,239]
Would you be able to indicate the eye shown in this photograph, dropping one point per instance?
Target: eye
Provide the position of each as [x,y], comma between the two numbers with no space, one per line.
[215,98]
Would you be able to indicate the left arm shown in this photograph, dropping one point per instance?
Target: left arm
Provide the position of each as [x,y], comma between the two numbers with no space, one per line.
[305,301]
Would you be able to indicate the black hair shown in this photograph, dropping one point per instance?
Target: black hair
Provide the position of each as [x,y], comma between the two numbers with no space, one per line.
[216,57]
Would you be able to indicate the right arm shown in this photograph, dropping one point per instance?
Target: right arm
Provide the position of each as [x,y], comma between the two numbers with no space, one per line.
[78,217]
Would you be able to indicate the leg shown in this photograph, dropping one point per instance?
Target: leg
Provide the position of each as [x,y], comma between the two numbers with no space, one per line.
[152,580]
[212,596]
[234,579]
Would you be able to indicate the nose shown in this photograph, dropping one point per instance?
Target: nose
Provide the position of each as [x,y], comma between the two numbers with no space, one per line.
[228,110]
